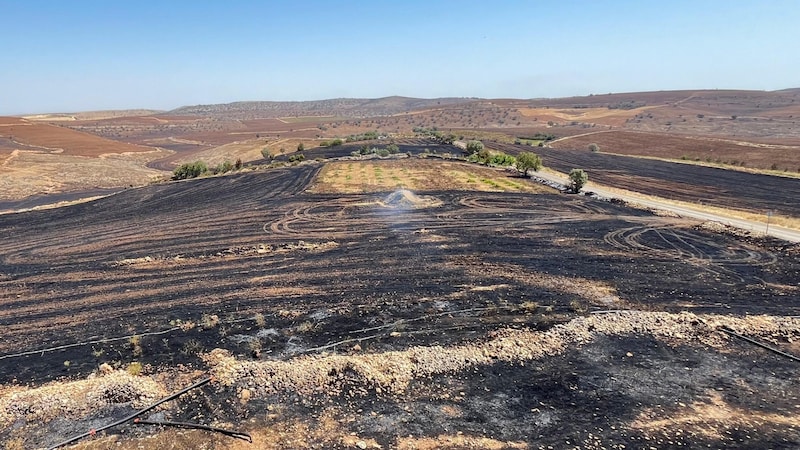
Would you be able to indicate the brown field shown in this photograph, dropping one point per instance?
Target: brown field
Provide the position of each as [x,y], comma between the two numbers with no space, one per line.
[691,148]
[602,116]
[55,139]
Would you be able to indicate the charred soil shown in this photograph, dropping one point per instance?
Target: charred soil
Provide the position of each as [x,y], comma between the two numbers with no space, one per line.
[426,319]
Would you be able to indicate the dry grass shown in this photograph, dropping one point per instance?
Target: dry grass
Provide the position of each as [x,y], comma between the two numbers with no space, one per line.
[246,150]
[35,173]
[419,175]
[604,116]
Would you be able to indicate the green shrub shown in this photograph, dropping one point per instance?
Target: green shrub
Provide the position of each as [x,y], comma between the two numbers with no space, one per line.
[224,167]
[190,170]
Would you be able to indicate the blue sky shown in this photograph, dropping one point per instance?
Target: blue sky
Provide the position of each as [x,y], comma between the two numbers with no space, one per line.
[89,55]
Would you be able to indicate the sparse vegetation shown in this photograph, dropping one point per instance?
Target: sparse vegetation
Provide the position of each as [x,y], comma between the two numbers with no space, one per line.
[224,167]
[209,321]
[260,321]
[134,368]
[333,143]
[594,148]
[191,347]
[136,345]
[367,136]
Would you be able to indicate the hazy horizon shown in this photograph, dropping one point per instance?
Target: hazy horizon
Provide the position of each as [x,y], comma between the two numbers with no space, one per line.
[90,55]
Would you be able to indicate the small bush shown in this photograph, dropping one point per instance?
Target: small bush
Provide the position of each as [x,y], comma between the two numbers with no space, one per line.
[134,368]
[594,148]
[224,167]
[210,321]
[191,347]
[260,321]
[190,170]
[136,345]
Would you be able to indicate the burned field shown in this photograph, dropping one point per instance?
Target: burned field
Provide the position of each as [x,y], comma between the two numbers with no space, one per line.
[440,318]
[751,192]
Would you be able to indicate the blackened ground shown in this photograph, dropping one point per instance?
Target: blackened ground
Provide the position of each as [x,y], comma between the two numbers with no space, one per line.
[685,182]
[319,268]
[254,264]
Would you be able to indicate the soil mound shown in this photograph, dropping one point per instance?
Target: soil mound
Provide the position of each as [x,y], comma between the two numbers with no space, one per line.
[405,199]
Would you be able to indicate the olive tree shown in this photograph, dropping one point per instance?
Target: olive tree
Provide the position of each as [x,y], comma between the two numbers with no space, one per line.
[527,161]
[577,179]
[474,147]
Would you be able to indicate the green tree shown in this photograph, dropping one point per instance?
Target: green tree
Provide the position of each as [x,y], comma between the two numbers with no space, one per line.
[577,179]
[265,153]
[594,147]
[300,147]
[474,147]
[190,170]
[527,161]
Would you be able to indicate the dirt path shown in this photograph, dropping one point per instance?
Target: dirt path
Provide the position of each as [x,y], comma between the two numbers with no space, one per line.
[565,138]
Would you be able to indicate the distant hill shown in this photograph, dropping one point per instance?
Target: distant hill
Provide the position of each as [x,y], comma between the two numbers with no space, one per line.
[343,107]
[92,115]
[712,99]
